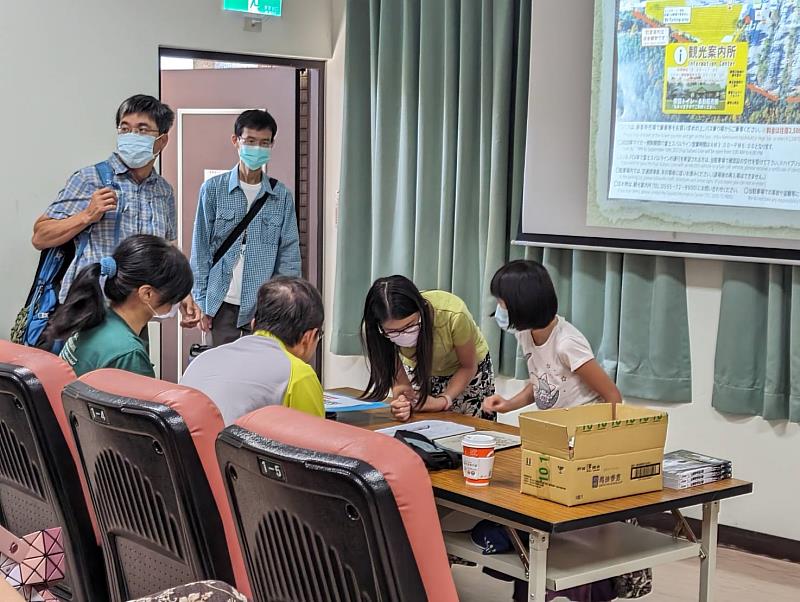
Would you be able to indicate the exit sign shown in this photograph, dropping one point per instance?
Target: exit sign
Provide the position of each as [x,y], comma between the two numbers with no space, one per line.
[268,8]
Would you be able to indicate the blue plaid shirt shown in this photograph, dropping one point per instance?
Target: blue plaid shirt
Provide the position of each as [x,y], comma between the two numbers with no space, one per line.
[273,242]
[147,208]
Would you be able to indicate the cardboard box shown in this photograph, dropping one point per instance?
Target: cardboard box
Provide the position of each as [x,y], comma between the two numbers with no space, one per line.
[580,455]
[573,482]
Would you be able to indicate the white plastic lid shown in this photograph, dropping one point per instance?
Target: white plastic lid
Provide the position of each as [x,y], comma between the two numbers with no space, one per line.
[482,441]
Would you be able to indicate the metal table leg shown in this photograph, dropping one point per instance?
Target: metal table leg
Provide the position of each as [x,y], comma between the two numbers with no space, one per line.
[537,579]
[708,547]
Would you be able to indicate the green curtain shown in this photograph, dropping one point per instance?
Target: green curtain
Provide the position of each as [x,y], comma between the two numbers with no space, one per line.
[433,145]
[433,157]
[755,372]
[632,309]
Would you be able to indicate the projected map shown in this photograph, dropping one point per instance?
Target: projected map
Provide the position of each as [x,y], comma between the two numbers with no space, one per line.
[683,60]
[707,107]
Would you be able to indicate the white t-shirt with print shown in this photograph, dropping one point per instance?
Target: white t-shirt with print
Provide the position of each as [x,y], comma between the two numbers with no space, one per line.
[551,367]
[234,294]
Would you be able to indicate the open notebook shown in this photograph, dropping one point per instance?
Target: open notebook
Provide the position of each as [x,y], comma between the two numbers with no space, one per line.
[449,434]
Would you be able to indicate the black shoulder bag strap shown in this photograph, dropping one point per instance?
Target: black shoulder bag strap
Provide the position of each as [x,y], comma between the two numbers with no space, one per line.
[241,226]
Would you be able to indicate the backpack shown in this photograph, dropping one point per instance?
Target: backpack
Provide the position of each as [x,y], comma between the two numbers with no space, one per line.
[42,298]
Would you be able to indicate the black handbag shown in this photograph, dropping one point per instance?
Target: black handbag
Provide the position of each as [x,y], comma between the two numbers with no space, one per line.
[434,456]
[196,349]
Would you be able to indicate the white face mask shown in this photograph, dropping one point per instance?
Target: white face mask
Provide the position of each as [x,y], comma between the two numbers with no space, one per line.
[136,150]
[167,316]
[502,319]
[407,338]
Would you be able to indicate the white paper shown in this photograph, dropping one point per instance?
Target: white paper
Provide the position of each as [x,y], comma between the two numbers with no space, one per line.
[504,440]
[333,401]
[655,36]
[432,429]
[677,14]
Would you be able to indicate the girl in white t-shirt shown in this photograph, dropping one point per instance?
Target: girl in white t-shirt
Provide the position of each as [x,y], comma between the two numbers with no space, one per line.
[562,368]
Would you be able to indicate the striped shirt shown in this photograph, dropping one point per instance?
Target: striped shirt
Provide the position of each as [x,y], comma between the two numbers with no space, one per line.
[148,207]
[273,242]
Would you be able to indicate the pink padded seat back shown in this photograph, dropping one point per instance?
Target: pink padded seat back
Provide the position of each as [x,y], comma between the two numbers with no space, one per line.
[401,467]
[54,374]
[204,421]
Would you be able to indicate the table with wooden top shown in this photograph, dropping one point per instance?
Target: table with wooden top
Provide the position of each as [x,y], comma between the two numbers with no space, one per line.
[568,545]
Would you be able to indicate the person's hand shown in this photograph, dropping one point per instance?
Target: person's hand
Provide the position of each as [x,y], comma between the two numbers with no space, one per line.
[406,390]
[190,313]
[101,202]
[206,323]
[401,408]
[495,403]
[435,403]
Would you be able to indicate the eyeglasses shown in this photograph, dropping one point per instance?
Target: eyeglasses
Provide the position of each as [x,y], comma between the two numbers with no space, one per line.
[256,142]
[409,328]
[142,129]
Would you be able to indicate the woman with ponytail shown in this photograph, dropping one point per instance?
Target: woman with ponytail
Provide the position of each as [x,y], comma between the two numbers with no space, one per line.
[111,302]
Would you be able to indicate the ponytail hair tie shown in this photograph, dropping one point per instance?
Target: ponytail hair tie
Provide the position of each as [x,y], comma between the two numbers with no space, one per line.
[108,267]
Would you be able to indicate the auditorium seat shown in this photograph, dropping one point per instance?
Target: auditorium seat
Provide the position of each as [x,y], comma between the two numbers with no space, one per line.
[147,448]
[327,511]
[41,485]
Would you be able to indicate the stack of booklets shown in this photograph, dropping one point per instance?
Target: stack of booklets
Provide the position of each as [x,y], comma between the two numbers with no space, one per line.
[684,469]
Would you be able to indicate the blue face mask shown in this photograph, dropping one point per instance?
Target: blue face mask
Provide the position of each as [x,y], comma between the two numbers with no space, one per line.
[135,150]
[255,157]
[501,317]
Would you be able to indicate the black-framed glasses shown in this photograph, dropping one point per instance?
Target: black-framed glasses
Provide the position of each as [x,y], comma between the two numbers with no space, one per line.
[142,129]
[407,329]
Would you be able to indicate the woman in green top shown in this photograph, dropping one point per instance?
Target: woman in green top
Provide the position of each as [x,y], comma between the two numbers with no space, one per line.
[146,278]
[426,349]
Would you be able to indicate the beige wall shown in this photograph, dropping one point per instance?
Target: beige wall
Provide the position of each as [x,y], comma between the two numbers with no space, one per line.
[66,66]
[338,371]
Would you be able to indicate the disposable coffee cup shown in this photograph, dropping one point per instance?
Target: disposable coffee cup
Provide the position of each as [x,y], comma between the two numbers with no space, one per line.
[478,459]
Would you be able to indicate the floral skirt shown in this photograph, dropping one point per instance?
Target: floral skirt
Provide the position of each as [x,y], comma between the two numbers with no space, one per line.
[479,388]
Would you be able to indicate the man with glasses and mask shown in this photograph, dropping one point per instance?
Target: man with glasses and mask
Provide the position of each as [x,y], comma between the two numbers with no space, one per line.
[269,367]
[245,232]
[129,198]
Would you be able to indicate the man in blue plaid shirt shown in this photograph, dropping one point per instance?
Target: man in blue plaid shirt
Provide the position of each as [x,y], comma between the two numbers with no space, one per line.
[270,246]
[139,201]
